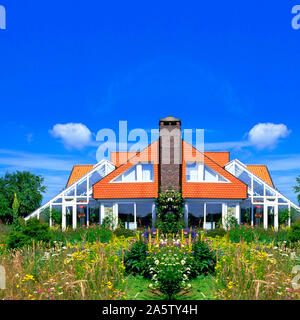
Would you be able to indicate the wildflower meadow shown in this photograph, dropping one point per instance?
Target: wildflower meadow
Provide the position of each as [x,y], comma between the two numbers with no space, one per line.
[104,264]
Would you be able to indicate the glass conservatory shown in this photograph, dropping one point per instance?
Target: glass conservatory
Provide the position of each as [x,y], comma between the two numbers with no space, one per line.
[75,206]
[265,206]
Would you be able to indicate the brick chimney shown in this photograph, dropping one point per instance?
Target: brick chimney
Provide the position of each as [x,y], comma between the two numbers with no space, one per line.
[170,153]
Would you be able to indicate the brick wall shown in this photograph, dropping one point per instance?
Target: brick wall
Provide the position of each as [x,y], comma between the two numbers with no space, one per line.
[170,155]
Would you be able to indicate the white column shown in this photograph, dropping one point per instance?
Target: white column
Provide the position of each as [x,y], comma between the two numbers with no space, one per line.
[238,212]
[153,214]
[87,215]
[115,214]
[200,171]
[74,216]
[139,172]
[224,214]
[101,212]
[63,220]
[289,222]
[265,215]
[50,218]
[134,214]
[204,220]
[252,215]
[186,214]
[276,217]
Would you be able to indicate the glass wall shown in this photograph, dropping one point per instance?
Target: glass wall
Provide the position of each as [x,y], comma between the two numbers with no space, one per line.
[196,214]
[107,215]
[213,215]
[81,215]
[258,211]
[262,198]
[69,216]
[94,216]
[79,194]
[56,214]
[246,212]
[270,211]
[126,215]
[144,214]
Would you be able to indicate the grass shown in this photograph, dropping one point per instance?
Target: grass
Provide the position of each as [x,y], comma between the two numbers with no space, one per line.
[203,288]
[137,289]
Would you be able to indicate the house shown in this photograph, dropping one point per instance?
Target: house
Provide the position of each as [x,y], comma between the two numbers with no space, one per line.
[127,186]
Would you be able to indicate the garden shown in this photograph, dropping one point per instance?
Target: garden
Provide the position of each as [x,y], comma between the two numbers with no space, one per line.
[166,262]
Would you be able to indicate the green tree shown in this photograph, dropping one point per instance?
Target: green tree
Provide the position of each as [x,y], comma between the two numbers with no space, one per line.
[28,188]
[15,208]
[297,188]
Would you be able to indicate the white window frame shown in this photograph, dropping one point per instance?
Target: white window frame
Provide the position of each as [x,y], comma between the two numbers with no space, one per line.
[200,173]
[139,174]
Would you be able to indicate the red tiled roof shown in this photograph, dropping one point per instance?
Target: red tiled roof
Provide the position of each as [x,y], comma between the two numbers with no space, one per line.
[79,171]
[236,189]
[220,157]
[120,157]
[120,190]
[262,172]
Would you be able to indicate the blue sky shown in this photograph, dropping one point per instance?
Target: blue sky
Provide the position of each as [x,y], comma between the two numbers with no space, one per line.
[226,67]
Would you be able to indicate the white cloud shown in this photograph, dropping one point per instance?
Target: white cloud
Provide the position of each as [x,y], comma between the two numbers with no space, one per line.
[73,135]
[261,136]
[267,135]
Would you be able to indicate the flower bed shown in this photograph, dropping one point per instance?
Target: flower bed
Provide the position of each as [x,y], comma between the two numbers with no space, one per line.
[170,261]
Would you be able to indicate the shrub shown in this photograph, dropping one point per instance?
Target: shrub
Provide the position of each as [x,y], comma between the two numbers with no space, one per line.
[127,233]
[249,234]
[241,233]
[17,239]
[170,223]
[294,233]
[34,229]
[91,234]
[215,232]
[204,259]
[135,258]
[170,269]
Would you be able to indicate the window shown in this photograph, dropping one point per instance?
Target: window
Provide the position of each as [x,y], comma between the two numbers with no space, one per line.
[196,214]
[192,172]
[144,214]
[141,172]
[199,172]
[130,175]
[126,215]
[147,171]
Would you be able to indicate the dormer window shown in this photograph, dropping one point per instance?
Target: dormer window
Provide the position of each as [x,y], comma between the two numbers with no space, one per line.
[141,172]
[199,172]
